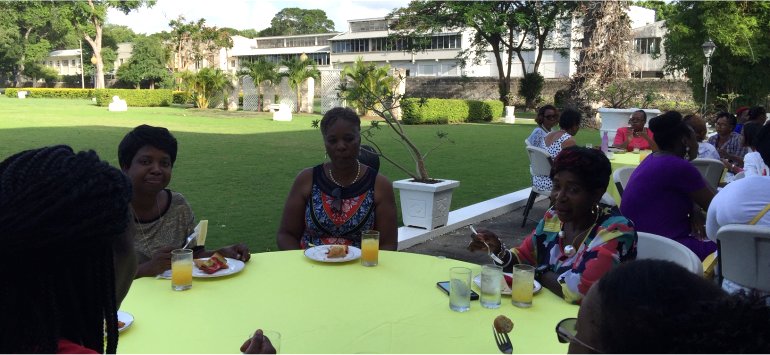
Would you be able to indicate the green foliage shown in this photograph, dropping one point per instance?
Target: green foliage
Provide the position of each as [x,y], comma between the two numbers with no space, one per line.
[440,111]
[182,97]
[297,72]
[206,84]
[531,86]
[663,9]
[370,77]
[295,21]
[135,98]
[147,63]
[741,32]
[260,71]
[194,41]
[684,107]
[52,93]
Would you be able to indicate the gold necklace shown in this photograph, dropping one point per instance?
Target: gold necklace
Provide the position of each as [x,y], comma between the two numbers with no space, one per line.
[569,250]
[358,173]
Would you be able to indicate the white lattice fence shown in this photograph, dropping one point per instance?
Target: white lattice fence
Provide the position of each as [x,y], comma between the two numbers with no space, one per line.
[330,81]
[250,94]
[286,95]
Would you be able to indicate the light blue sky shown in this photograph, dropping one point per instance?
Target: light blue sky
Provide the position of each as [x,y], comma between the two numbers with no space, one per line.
[243,14]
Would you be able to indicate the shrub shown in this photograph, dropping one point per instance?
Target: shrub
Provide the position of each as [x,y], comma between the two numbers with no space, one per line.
[181,97]
[531,87]
[135,98]
[52,93]
[684,107]
[420,111]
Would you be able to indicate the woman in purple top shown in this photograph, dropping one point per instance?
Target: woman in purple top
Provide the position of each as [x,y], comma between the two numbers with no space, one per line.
[666,195]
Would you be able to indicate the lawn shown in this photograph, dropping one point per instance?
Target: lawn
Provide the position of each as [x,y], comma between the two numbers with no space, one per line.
[236,168]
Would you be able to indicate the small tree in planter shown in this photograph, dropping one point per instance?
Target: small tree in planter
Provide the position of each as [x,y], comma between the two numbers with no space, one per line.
[260,71]
[376,90]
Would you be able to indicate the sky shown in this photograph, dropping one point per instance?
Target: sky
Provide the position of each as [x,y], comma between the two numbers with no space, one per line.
[245,14]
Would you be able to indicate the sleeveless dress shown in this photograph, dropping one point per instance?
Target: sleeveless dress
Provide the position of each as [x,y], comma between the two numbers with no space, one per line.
[338,215]
[543,182]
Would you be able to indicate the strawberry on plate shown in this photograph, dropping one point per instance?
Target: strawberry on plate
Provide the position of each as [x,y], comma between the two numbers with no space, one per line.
[211,265]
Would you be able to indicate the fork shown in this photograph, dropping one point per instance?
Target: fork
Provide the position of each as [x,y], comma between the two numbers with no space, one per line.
[503,342]
[489,250]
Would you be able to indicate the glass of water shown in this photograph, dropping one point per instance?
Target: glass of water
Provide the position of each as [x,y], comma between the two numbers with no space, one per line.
[491,284]
[460,289]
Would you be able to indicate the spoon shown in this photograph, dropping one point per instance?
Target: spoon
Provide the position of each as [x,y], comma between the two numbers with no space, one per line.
[192,237]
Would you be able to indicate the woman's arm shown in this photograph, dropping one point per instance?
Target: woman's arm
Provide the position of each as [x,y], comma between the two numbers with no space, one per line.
[702,197]
[385,213]
[293,219]
[650,141]
[568,143]
[622,138]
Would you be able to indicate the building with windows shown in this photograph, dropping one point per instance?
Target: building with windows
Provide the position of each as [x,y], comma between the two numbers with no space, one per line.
[67,61]
[648,57]
[278,48]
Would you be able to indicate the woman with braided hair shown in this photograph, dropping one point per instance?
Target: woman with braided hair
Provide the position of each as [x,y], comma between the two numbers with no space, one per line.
[62,214]
[579,239]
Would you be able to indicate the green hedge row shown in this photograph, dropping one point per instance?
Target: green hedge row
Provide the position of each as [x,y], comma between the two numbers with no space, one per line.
[52,93]
[418,111]
[136,98]
[182,97]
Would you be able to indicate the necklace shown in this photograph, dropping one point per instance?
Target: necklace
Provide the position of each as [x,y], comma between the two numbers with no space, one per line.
[145,240]
[569,250]
[358,173]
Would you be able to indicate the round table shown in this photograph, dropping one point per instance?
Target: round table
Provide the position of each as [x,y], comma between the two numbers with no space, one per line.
[394,307]
[619,160]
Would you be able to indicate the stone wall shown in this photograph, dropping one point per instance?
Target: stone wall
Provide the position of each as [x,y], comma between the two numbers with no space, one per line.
[486,88]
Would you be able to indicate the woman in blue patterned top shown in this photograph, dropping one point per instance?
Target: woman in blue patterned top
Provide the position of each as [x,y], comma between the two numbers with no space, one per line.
[334,202]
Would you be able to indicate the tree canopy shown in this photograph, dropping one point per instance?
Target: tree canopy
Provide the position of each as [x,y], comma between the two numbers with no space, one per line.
[147,63]
[741,61]
[295,21]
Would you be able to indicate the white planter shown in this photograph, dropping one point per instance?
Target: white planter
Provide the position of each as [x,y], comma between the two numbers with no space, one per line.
[21,94]
[425,205]
[509,116]
[614,118]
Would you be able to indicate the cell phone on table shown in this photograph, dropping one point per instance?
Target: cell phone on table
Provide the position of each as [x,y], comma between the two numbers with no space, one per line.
[444,286]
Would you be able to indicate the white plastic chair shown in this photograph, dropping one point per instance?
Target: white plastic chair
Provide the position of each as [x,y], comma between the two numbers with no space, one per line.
[744,255]
[711,169]
[739,176]
[653,246]
[527,143]
[621,177]
[540,164]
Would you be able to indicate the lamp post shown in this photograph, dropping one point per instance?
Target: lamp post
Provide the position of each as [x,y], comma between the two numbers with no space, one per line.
[93,76]
[708,51]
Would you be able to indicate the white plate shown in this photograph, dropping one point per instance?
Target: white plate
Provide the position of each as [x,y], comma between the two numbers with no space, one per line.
[616,150]
[318,253]
[233,266]
[126,318]
[506,290]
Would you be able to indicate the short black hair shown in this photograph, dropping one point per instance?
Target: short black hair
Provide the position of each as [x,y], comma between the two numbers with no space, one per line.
[143,135]
[569,118]
[668,128]
[590,165]
[657,306]
[644,113]
[758,113]
[339,113]
[731,119]
[542,109]
[750,132]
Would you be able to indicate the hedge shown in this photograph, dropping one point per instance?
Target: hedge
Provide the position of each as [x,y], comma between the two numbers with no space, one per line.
[418,111]
[182,97]
[136,98]
[52,93]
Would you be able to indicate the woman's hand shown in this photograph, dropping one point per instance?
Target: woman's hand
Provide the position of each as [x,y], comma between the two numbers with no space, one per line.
[488,237]
[159,263]
[236,251]
[698,224]
[258,344]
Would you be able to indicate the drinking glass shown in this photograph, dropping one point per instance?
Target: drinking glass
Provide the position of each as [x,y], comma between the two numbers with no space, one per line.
[589,145]
[491,284]
[460,289]
[181,269]
[370,247]
[523,285]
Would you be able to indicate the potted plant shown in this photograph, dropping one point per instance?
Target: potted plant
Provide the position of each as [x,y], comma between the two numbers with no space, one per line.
[425,202]
[509,116]
[617,97]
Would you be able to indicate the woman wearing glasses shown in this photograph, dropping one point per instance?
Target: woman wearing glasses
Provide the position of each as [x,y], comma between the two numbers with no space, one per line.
[547,117]
[334,202]
[655,306]
[578,240]
[635,135]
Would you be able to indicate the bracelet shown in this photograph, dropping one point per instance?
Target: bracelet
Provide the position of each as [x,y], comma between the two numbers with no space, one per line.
[503,249]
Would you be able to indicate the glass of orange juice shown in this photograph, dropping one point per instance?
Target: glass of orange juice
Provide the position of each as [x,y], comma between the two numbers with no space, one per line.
[181,269]
[523,285]
[370,247]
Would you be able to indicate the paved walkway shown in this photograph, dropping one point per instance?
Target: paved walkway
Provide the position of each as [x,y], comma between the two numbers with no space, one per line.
[507,227]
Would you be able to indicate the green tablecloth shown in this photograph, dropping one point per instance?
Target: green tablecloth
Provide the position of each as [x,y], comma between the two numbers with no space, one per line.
[331,308]
[620,160]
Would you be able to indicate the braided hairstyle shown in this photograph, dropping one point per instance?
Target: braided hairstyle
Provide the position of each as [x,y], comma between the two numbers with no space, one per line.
[656,306]
[60,212]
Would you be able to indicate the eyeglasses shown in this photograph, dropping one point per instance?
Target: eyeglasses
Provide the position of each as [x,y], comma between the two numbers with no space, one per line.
[566,331]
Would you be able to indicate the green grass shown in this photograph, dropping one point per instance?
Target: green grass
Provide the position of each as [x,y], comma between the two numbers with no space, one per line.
[236,168]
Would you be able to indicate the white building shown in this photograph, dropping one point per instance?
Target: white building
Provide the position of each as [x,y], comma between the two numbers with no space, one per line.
[278,48]
[67,61]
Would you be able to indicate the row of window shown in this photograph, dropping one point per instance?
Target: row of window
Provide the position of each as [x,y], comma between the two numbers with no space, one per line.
[367,26]
[319,58]
[383,44]
[65,63]
[294,42]
[649,45]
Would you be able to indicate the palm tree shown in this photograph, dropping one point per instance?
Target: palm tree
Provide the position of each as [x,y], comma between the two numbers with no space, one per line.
[205,84]
[259,72]
[369,76]
[297,72]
